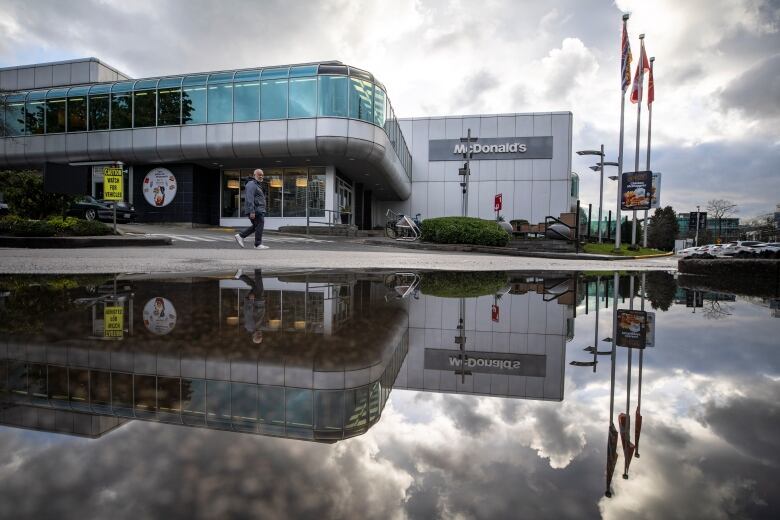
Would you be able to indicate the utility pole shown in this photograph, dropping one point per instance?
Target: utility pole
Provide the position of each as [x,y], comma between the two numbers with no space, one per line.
[466,171]
[698,213]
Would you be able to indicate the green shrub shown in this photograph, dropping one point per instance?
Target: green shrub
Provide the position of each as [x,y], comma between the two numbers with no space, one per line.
[21,227]
[23,191]
[445,284]
[463,230]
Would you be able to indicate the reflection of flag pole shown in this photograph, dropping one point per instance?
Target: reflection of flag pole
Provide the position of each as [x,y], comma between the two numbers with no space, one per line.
[625,80]
[625,419]
[638,413]
[612,432]
[650,97]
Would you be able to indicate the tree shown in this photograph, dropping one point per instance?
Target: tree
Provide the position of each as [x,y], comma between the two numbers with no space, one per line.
[719,209]
[23,191]
[661,288]
[663,229]
[625,232]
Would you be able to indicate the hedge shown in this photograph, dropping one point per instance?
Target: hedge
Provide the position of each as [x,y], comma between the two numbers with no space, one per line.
[447,284]
[54,226]
[463,230]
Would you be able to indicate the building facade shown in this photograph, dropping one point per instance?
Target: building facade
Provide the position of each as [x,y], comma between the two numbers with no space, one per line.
[326,134]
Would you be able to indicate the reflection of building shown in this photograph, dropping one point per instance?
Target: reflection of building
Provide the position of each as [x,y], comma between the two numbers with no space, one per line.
[325,381]
[332,349]
[518,351]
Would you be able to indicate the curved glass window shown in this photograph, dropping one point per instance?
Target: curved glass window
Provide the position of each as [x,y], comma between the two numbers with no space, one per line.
[169,102]
[99,107]
[273,192]
[303,97]
[220,98]
[280,72]
[35,112]
[273,98]
[300,411]
[77,109]
[296,183]
[56,105]
[246,96]
[302,71]
[361,99]
[379,107]
[193,100]
[121,105]
[332,96]
[145,103]
[14,114]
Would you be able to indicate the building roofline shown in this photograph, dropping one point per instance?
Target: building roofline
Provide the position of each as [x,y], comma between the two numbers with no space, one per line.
[65,62]
[506,114]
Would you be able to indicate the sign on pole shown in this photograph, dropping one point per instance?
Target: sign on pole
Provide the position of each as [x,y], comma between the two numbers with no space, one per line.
[113,322]
[632,328]
[655,199]
[498,202]
[637,188]
[113,183]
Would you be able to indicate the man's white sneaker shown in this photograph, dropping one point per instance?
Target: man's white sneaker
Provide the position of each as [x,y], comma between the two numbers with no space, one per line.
[261,246]
[239,239]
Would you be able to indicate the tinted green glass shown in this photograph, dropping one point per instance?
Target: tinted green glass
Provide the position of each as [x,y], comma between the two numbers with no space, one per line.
[14,115]
[77,113]
[121,113]
[246,101]
[35,113]
[333,96]
[273,99]
[361,99]
[169,106]
[55,115]
[98,111]
[379,107]
[220,103]
[303,97]
[299,407]
[145,108]
[193,104]
[271,404]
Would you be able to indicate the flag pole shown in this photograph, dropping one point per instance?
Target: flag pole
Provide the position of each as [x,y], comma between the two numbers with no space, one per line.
[612,432]
[638,415]
[649,133]
[620,147]
[638,121]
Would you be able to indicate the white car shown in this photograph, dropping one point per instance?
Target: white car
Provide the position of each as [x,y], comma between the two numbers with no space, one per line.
[742,248]
[688,251]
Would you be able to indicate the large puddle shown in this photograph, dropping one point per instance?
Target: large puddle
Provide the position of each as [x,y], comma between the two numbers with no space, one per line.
[376,395]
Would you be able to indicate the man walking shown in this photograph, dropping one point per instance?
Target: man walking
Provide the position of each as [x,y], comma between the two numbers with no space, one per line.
[254,205]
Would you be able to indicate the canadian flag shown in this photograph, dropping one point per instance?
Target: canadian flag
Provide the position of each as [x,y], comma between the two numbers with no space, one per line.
[639,76]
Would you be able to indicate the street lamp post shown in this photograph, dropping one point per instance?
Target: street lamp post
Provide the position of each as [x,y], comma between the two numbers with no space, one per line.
[696,240]
[600,169]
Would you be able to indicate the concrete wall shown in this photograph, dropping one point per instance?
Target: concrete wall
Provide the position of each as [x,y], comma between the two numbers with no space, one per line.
[531,188]
[58,74]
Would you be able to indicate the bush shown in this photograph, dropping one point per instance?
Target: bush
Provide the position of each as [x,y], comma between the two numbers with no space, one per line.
[463,230]
[23,191]
[446,284]
[21,227]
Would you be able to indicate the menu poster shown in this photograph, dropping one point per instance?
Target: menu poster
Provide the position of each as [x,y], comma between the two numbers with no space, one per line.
[632,329]
[637,190]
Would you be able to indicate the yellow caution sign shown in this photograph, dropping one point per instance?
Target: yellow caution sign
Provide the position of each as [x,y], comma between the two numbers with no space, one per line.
[113,183]
[113,322]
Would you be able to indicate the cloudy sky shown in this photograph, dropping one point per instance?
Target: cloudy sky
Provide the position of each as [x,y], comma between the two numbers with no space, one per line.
[717,72]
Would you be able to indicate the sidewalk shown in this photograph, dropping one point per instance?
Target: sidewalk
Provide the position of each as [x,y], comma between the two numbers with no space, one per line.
[76,242]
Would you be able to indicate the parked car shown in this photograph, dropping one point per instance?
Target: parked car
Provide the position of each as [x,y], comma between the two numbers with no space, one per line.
[88,208]
[689,251]
[124,210]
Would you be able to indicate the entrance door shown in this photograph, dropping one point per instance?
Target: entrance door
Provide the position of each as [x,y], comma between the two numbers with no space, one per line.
[344,199]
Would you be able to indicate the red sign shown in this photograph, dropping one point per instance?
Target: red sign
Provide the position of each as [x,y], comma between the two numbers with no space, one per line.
[494,313]
[498,202]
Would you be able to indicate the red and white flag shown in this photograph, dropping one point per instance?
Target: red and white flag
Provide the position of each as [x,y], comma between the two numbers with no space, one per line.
[639,76]
[650,87]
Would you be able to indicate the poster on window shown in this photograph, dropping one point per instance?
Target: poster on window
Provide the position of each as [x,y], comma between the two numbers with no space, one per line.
[159,187]
[632,329]
[159,316]
[637,190]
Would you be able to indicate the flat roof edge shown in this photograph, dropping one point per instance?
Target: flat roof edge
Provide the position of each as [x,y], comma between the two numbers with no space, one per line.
[506,114]
[65,62]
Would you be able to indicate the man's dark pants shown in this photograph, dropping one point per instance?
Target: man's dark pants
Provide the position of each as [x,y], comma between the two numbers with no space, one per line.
[258,223]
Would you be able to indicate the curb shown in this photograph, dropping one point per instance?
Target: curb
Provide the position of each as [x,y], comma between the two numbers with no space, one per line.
[77,242]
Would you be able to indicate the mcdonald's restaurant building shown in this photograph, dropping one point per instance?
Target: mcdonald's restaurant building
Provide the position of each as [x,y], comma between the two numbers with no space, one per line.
[326,135]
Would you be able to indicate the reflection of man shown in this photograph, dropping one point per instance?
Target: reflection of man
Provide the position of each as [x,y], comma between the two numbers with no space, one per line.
[254,205]
[254,305]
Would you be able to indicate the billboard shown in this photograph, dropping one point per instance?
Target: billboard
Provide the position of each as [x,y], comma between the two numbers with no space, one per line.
[637,189]
[655,194]
[632,328]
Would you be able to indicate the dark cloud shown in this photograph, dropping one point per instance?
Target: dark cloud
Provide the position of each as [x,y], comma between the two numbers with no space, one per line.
[756,92]
[475,87]
[463,411]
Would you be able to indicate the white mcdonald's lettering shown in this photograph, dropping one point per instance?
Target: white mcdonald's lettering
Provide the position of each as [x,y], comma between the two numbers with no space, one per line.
[492,148]
[487,363]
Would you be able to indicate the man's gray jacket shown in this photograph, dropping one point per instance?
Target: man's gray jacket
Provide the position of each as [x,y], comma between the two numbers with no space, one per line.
[254,198]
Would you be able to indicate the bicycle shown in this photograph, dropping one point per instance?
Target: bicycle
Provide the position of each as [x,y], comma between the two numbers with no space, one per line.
[401,227]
